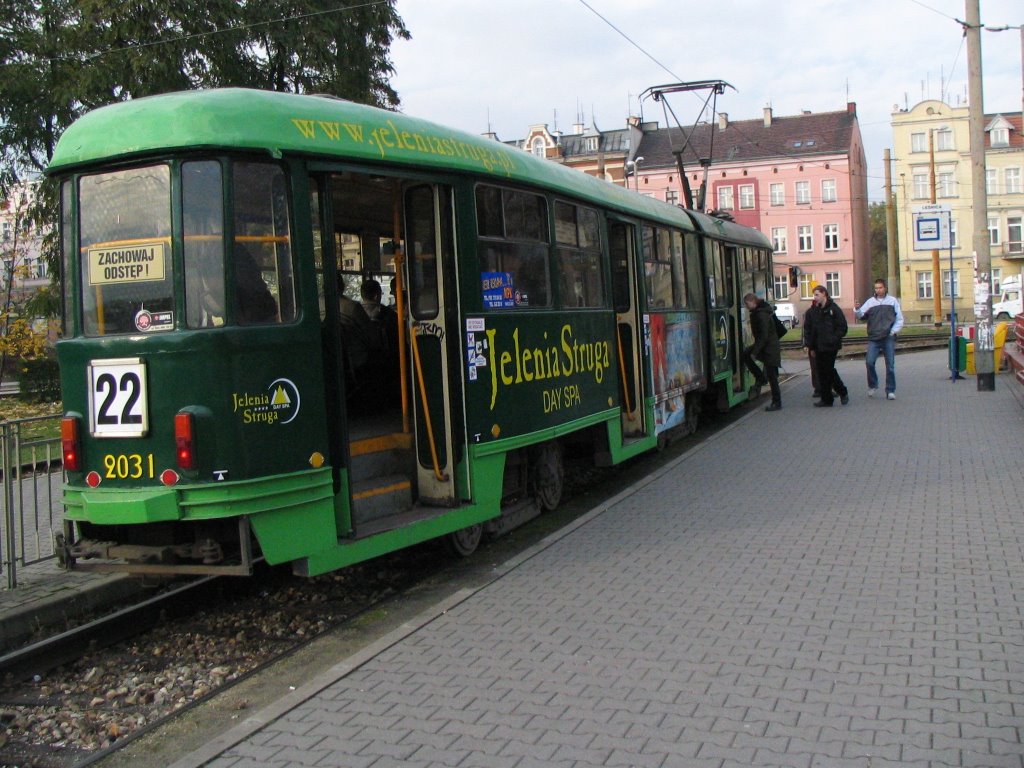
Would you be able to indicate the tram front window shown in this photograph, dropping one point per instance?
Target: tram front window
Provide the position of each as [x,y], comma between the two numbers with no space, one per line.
[125,239]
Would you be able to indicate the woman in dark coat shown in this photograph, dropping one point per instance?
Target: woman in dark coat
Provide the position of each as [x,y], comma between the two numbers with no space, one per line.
[765,348]
[826,327]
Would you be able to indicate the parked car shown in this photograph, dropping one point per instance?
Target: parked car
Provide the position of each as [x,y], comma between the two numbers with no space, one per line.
[787,314]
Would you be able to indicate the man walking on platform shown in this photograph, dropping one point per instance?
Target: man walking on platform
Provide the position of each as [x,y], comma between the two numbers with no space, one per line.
[826,327]
[765,348]
[885,320]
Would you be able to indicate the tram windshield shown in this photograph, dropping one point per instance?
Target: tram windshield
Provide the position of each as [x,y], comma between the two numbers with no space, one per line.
[126,245]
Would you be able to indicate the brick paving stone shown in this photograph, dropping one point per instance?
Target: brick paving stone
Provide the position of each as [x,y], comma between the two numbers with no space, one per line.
[860,610]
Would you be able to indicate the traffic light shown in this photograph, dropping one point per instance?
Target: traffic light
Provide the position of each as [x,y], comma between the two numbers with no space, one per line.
[794,277]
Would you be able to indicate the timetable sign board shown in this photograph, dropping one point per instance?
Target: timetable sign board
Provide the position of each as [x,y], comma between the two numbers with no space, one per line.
[931,227]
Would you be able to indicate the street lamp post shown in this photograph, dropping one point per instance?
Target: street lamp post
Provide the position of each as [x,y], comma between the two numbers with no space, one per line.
[634,164]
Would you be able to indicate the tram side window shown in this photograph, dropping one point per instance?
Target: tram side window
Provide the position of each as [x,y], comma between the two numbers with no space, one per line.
[658,268]
[513,248]
[692,263]
[421,239]
[715,270]
[202,206]
[578,235]
[264,284]
[127,279]
[682,299]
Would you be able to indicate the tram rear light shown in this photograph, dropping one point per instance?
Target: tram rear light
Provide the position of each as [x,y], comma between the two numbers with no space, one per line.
[70,445]
[184,439]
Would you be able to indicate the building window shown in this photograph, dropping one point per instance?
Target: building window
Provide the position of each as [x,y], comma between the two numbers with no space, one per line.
[832,284]
[924,285]
[746,196]
[7,230]
[1000,137]
[828,191]
[921,186]
[990,181]
[1011,176]
[944,139]
[831,232]
[779,239]
[672,196]
[781,286]
[803,192]
[918,142]
[591,144]
[725,198]
[946,184]
[946,275]
[538,147]
[806,238]
[953,241]
[777,194]
[993,231]
[807,283]
[997,279]
[1014,229]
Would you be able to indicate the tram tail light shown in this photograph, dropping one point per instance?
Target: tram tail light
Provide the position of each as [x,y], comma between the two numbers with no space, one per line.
[184,439]
[70,445]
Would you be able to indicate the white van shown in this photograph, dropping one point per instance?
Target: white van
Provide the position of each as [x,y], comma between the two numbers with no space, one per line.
[1008,303]
[786,313]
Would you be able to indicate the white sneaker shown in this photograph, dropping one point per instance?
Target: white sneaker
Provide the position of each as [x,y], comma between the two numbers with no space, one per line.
[871,392]
[890,396]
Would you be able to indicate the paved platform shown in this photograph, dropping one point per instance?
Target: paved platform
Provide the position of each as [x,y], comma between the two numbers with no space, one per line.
[847,596]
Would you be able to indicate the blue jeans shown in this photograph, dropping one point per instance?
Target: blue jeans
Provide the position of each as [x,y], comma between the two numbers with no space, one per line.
[887,347]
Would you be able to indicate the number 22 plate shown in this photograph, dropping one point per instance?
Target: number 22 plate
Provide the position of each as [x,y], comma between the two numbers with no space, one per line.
[117,398]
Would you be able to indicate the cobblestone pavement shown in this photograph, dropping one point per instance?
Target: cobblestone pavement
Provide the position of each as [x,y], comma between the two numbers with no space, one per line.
[847,597]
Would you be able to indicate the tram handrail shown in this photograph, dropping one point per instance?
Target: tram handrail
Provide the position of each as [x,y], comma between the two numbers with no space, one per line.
[442,477]
[622,370]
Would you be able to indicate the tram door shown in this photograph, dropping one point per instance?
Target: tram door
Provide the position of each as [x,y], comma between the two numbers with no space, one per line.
[430,249]
[629,326]
[724,320]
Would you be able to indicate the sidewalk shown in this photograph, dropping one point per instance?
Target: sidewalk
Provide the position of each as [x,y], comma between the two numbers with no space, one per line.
[850,597]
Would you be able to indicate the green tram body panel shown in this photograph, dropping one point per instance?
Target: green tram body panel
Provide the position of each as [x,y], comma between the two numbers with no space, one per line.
[259,394]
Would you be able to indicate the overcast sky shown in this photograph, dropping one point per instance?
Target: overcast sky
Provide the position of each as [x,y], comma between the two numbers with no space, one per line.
[502,65]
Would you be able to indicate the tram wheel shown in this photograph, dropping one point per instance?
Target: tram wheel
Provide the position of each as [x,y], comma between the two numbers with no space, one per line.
[548,475]
[464,542]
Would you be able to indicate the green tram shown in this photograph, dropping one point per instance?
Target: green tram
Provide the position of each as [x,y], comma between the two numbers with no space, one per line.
[229,397]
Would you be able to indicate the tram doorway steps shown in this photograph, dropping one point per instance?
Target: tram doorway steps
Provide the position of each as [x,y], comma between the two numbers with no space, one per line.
[378,497]
[381,455]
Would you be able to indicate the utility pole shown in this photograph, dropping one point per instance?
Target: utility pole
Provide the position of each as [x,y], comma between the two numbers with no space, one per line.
[984,347]
[892,259]
[936,273]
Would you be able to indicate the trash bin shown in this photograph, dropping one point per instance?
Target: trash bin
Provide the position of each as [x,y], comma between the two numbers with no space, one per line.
[958,346]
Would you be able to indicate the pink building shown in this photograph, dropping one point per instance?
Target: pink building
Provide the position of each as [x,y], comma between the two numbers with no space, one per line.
[801,179]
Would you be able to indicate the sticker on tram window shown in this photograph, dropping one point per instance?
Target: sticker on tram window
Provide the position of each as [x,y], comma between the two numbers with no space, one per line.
[117,398]
[134,263]
[498,290]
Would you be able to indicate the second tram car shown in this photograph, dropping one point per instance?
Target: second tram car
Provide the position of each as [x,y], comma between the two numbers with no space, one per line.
[312,332]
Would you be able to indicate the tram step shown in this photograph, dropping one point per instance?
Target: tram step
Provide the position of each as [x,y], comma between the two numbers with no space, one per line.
[379,497]
[382,455]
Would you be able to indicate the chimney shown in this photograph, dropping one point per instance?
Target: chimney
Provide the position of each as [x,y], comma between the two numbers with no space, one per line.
[577,129]
[767,117]
[723,120]
[851,107]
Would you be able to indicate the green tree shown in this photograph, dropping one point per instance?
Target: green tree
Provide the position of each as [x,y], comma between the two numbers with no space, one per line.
[61,58]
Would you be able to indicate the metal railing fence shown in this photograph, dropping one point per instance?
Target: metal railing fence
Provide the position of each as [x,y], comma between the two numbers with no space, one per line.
[31,500]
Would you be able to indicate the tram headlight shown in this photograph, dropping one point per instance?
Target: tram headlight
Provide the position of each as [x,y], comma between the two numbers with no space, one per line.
[70,445]
[184,440]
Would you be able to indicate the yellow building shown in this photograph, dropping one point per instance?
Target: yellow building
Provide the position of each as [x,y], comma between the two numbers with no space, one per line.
[931,147]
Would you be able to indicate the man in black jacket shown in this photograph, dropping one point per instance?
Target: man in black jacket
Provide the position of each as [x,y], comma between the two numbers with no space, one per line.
[826,327]
[765,348]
